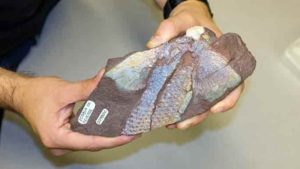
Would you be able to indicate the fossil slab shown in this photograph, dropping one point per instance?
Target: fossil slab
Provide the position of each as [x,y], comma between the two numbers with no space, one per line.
[175,81]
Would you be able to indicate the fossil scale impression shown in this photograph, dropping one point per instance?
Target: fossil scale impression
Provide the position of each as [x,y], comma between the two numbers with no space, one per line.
[175,81]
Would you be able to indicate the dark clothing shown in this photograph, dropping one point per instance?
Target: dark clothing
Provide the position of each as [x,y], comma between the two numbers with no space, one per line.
[12,59]
[20,22]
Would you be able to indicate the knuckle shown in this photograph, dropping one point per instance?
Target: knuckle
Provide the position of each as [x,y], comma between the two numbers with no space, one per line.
[93,146]
[49,140]
[189,17]
[168,25]
[48,143]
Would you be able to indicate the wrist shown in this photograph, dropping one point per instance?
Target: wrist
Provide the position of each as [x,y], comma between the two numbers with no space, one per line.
[202,5]
[19,93]
[11,83]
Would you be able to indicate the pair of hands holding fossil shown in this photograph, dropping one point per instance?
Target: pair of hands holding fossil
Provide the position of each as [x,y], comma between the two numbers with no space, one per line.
[49,116]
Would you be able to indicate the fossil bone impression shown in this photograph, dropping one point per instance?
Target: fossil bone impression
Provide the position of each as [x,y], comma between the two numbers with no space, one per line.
[170,83]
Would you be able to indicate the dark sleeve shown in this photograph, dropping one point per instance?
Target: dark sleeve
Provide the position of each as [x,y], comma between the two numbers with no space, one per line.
[21,20]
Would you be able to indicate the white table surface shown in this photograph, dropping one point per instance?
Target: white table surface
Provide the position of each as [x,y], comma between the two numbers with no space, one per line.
[261,132]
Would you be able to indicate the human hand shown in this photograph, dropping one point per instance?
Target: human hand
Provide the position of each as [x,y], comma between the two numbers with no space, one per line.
[47,104]
[188,14]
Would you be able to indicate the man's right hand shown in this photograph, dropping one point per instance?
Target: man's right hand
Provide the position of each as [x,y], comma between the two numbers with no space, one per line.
[47,104]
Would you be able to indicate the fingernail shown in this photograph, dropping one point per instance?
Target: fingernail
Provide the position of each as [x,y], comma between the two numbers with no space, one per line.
[154,41]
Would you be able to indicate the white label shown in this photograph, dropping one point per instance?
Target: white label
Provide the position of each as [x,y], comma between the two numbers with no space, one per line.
[86,112]
[195,32]
[102,116]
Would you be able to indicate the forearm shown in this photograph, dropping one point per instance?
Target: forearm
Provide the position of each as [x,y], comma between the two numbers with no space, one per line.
[9,84]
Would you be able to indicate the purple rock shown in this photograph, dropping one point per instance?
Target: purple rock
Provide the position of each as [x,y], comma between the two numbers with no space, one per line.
[175,81]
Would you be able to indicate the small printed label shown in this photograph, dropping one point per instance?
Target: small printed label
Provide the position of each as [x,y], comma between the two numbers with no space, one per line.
[102,116]
[86,112]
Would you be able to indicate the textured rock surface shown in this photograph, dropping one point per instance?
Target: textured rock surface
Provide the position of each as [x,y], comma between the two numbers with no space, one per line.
[173,82]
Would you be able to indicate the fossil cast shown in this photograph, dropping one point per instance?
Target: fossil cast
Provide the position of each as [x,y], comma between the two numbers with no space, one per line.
[175,81]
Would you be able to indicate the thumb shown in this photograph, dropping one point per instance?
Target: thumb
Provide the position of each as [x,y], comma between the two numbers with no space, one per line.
[82,89]
[168,29]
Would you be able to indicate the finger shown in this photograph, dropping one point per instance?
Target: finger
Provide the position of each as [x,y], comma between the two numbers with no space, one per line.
[89,85]
[77,141]
[229,101]
[170,28]
[59,152]
[171,126]
[99,75]
[82,89]
[192,121]
[64,115]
